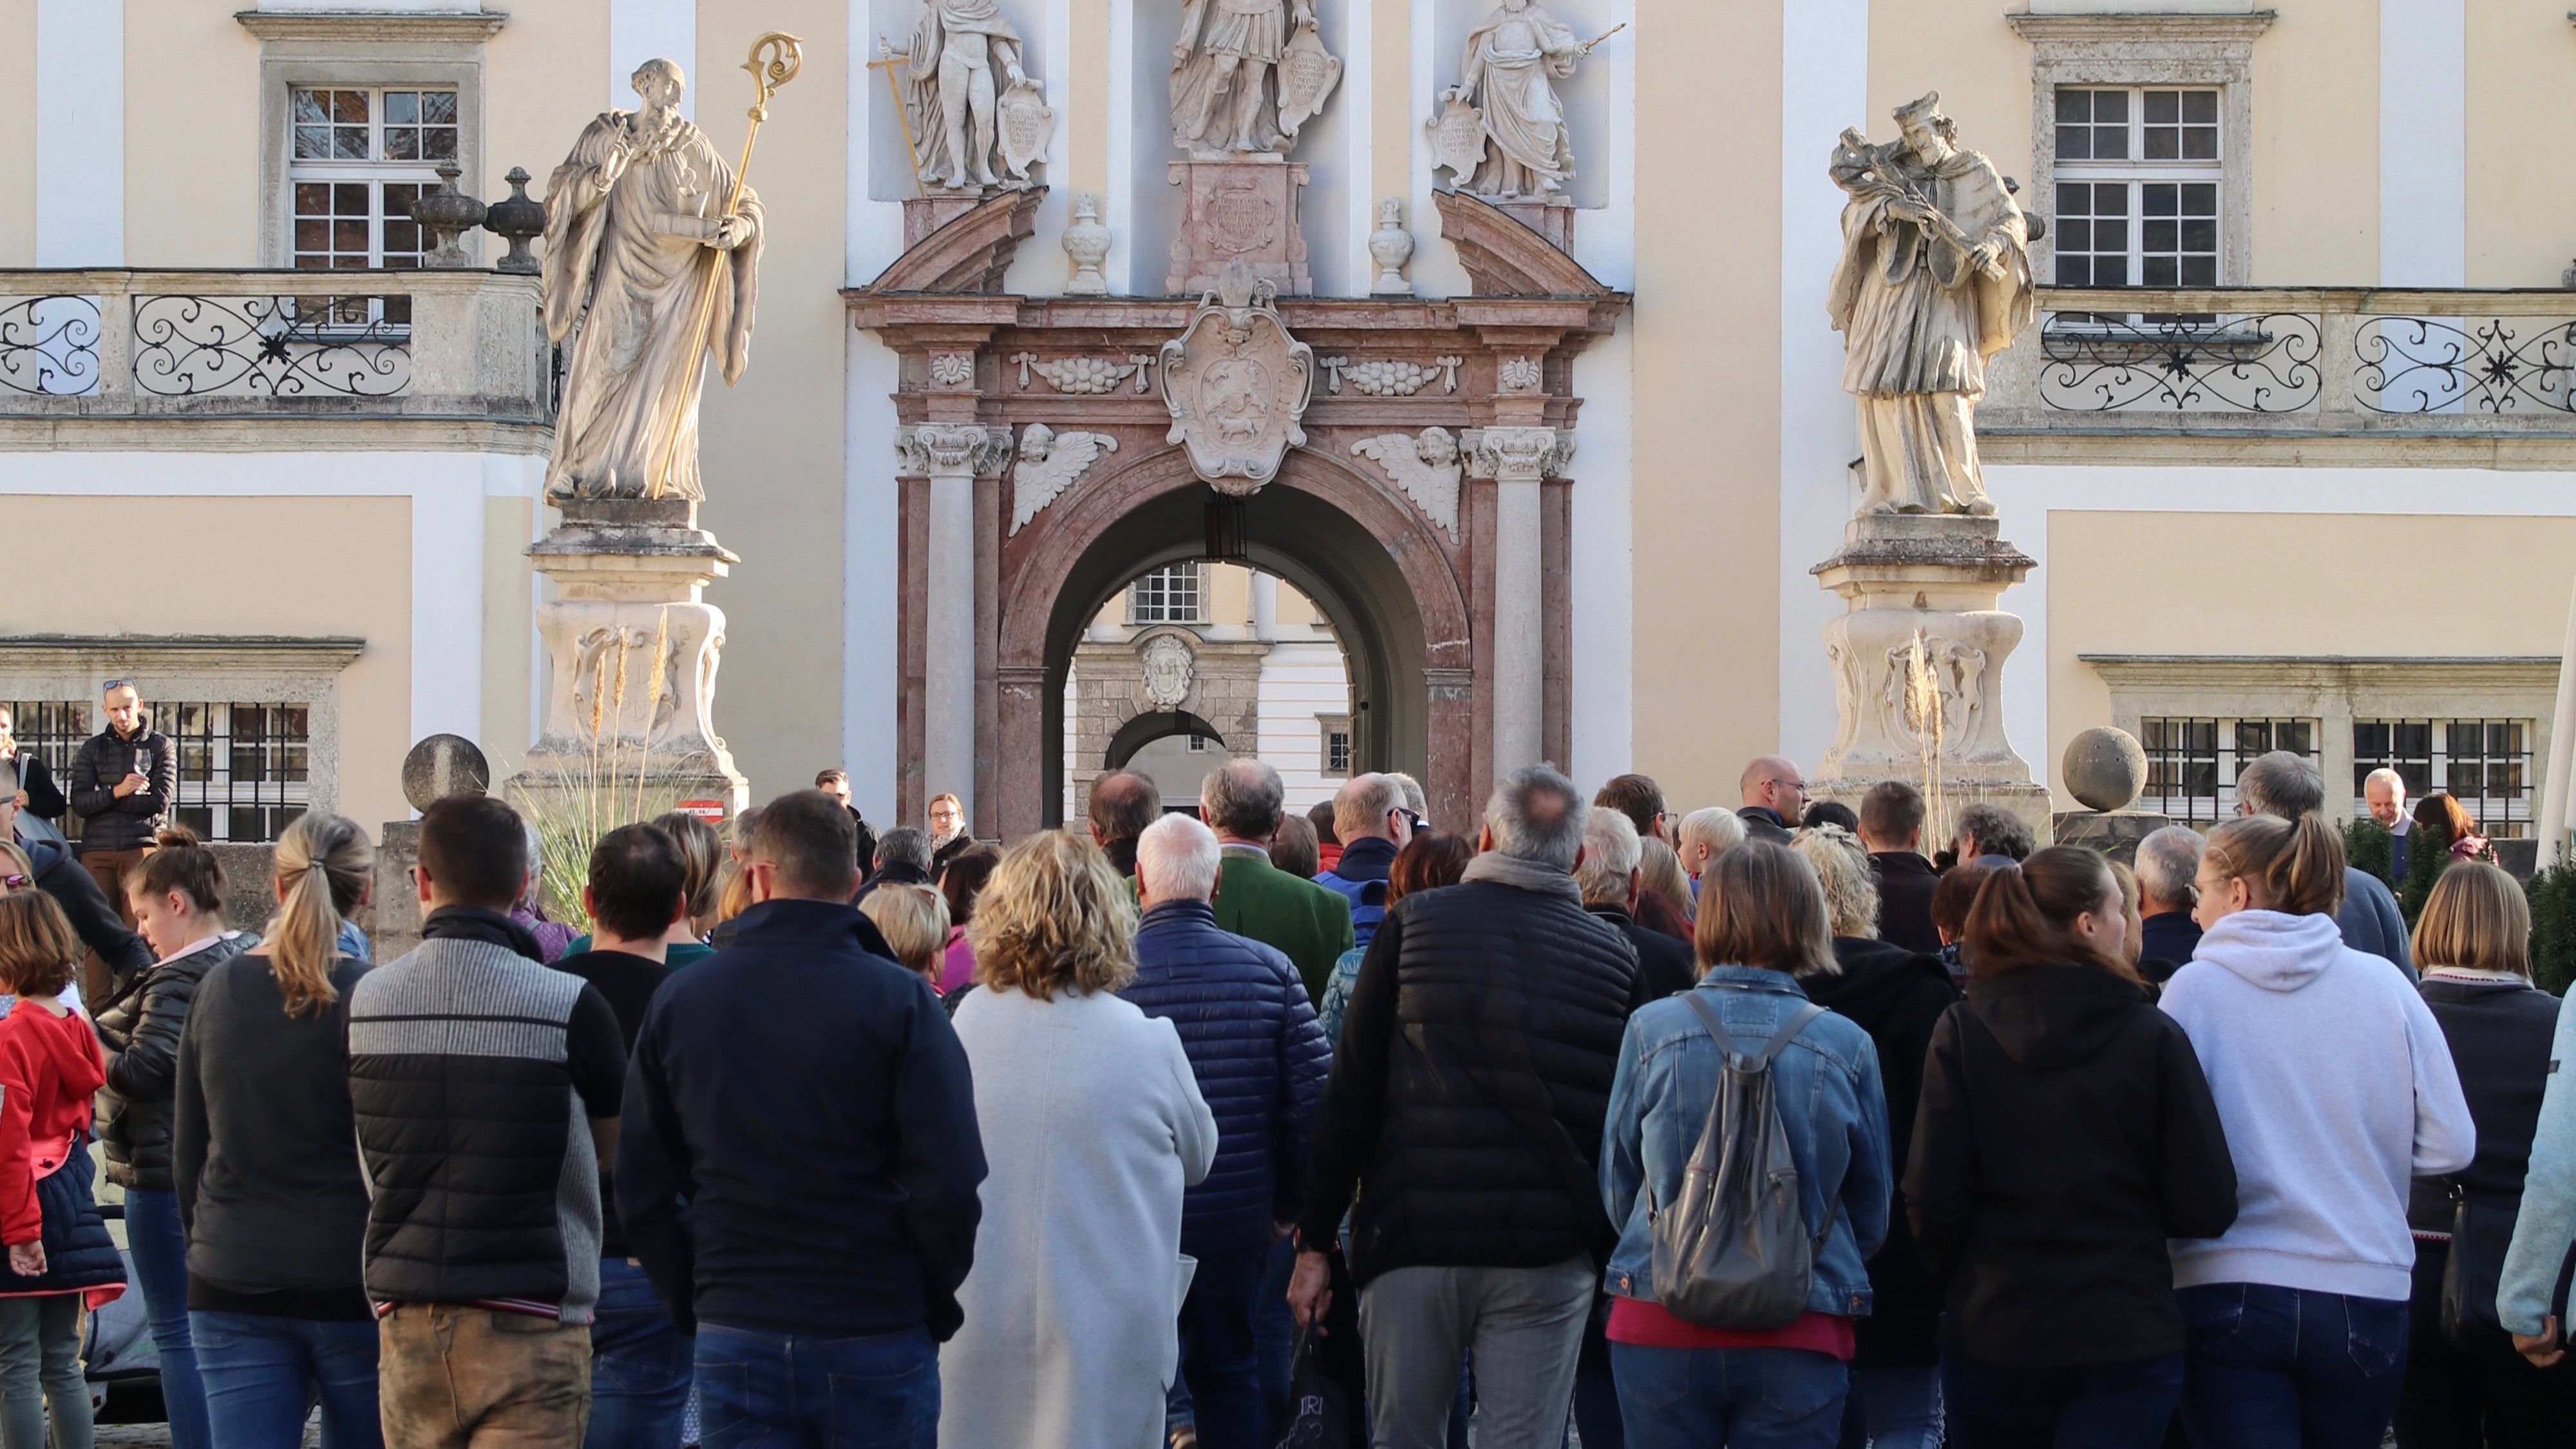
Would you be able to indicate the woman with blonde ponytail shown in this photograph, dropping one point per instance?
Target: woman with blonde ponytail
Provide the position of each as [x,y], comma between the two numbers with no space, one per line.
[2337,1090]
[265,1162]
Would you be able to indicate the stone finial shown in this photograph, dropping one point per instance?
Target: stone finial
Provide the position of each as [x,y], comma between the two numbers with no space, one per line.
[516,219]
[1390,246]
[2105,768]
[1086,242]
[447,215]
[444,765]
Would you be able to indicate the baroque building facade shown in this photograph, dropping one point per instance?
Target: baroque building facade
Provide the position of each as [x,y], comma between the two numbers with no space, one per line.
[2290,447]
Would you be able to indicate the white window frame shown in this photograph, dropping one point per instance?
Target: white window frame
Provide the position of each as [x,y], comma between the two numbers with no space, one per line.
[2229,755]
[2518,810]
[375,171]
[2149,52]
[2135,174]
[1138,615]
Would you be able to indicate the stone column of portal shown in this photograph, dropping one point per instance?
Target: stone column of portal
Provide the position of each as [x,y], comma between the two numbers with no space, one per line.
[951,456]
[1517,459]
[1265,607]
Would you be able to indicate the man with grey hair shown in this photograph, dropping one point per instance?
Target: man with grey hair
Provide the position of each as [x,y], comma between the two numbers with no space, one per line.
[1465,1113]
[1985,829]
[1372,824]
[2384,791]
[1611,874]
[2168,864]
[1414,799]
[902,858]
[1242,802]
[1259,1059]
[2289,786]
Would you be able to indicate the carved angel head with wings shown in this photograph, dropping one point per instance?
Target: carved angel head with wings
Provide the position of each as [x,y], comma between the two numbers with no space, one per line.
[1049,462]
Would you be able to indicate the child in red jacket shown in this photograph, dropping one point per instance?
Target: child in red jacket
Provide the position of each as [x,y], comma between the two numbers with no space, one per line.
[59,1253]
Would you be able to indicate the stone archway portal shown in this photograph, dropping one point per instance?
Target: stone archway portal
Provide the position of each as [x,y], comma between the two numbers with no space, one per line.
[1425,506]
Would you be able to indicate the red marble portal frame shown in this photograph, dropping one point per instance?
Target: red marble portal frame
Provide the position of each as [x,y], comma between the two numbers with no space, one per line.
[941,302]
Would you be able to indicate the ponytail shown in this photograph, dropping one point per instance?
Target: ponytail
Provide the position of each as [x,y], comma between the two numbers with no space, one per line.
[2024,914]
[180,862]
[323,863]
[2292,866]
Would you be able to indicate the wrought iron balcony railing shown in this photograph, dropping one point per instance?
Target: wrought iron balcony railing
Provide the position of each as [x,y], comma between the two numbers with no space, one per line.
[2290,360]
[120,343]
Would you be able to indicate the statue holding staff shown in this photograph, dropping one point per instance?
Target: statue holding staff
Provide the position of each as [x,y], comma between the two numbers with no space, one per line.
[631,216]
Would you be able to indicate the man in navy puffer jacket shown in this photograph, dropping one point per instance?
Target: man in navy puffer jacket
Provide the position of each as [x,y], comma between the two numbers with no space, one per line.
[1260,1061]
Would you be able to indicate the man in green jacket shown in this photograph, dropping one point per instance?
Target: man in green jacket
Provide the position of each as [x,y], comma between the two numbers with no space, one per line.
[1241,802]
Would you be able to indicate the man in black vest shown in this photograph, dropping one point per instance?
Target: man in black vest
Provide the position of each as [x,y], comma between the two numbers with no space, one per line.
[1479,1211]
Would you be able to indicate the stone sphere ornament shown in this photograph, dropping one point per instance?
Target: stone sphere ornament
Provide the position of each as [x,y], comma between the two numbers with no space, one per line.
[444,765]
[2105,768]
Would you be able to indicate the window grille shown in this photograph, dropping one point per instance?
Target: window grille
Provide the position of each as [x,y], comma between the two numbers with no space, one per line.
[243,768]
[2192,763]
[53,730]
[2484,763]
[1169,595]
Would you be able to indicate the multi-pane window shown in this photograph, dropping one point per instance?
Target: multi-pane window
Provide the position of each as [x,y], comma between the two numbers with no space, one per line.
[1336,731]
[2137,187]
[358,158]
[243,768]
[2192,763]
[2484,763]
[52,729]
[1169,595]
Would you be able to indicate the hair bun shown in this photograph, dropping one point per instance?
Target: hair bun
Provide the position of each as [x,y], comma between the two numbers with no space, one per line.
[170,837]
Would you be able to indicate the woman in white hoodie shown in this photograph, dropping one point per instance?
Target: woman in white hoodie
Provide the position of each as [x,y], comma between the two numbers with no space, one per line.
[2336,1089]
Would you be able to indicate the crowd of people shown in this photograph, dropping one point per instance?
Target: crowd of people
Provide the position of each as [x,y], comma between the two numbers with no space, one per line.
[1778,1125]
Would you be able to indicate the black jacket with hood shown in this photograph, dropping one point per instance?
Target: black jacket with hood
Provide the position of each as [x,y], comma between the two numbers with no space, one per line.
[1897,996]
[2064,1134]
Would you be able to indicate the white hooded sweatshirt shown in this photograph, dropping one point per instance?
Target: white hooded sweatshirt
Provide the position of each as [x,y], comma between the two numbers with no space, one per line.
[2336,1088]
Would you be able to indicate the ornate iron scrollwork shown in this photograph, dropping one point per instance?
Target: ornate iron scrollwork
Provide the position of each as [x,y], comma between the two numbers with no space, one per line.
[2438,364]
[274,346]
[49,345]
[2262,364]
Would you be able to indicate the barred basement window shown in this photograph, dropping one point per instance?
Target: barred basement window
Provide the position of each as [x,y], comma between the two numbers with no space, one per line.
[2484,763]
[52,729]
[1169,595]
[1336,731]
[243,768]
[2192,763]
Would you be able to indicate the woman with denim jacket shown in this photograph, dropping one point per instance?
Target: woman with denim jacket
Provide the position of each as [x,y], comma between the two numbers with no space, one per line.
[2065,1133]
[1762,926]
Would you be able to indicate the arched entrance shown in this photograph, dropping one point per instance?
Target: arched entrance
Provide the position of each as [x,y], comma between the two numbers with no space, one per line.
[1368,561]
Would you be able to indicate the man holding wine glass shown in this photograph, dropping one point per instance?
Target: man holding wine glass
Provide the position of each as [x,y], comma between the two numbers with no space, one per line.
[123,780]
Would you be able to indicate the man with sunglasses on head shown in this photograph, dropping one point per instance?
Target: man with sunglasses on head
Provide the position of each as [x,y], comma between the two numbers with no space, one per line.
[123,781]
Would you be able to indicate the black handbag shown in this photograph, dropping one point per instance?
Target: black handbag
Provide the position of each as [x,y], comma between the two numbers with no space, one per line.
[2481,1233]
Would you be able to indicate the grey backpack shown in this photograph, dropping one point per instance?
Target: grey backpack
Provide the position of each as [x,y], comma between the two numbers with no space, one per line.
[1733,1250]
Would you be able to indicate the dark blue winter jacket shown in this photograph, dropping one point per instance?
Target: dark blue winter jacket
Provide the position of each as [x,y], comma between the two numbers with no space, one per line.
[1361,875]
[1260,1061]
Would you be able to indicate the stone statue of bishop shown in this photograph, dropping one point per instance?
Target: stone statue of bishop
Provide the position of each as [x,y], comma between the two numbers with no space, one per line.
[631,218]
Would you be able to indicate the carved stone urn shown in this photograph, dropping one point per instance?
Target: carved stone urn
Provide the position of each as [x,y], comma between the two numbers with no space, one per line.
[447,215]
[1086,242]
[1918,666]
[1390,246]
[517,219]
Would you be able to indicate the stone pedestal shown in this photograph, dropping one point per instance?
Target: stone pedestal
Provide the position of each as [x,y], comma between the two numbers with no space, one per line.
[1918,666]
[1242,209]
[1552,219]
[2115,833]
[923,215]
[629,730]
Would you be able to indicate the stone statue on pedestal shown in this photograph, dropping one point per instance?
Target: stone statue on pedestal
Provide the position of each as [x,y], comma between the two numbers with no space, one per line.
[967,99]
[1934,279]
[1245,75]
[631,216]
[1501,129]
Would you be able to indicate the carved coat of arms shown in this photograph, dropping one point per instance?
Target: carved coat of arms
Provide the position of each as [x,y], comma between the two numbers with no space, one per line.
[1169,669]
[1237,384]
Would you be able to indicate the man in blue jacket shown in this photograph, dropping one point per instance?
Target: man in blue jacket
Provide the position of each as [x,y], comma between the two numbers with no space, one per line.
[1260,1061]
[798,1159]
[1372,824]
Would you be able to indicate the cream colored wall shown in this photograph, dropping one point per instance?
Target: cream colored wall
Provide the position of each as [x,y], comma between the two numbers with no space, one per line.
[1706,489]
[2521,58]
[509,625]
[770,449]
[367,593]
[1087,88]
[2316,145]
[2331,584]
[17,133]
[1970,56]
[545,75]
[191,136]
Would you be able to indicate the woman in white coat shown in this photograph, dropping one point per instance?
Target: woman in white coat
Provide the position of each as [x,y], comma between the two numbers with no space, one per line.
[1093,1126]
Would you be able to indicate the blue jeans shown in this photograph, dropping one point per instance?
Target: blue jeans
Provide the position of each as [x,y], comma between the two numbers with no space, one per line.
[781,1391]
[1274,1339]
[2099,1406]
[160,1253]
[1220,1378]
[1746,1398]
[1893,1408]
[262,1371]
[2287,1368]
[639,1364]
